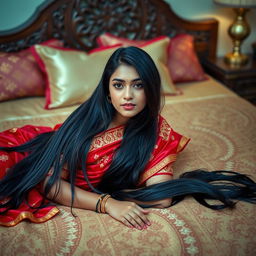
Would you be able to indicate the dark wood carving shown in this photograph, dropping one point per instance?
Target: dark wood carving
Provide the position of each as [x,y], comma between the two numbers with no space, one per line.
[79,22]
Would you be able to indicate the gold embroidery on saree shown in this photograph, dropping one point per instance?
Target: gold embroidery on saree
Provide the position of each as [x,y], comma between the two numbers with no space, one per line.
[13,130]
[103,161]
[107,138]
[183,141]
[4,158]
[167,170]
[96,156]
[156,168]
[165,130]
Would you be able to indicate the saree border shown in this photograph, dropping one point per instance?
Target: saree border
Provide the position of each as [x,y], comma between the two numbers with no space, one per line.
[108,137]
[163,163]
[31,217]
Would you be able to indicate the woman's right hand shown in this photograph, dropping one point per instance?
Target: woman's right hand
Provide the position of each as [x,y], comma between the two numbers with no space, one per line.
[129,213]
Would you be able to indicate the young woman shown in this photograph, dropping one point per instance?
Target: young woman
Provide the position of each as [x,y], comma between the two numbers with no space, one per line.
[113,155]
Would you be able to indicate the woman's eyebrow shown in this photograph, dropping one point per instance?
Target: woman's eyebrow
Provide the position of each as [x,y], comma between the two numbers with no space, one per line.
[121,80]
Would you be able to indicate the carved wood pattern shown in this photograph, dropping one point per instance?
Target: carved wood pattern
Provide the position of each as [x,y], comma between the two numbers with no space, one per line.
[58,25]
[151,21]
[117,17]
[79,22]
[37,37]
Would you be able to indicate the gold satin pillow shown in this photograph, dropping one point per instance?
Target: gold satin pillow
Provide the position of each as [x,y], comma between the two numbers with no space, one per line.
[73,75]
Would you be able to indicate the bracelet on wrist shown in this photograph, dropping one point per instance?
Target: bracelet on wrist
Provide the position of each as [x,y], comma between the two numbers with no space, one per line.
[101,203]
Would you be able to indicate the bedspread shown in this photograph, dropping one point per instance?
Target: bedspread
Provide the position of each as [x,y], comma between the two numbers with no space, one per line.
[222,129]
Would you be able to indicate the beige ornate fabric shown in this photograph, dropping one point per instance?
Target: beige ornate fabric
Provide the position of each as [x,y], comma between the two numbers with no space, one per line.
[222,128]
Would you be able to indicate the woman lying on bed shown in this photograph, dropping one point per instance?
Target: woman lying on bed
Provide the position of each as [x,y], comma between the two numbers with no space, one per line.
[112,155]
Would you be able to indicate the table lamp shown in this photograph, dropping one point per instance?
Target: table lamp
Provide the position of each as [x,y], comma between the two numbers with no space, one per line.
[239,30]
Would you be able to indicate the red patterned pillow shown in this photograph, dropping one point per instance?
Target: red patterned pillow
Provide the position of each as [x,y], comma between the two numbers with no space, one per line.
[20,75]
[183,63]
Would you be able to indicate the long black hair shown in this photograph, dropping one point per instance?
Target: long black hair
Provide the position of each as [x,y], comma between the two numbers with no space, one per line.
[70,144]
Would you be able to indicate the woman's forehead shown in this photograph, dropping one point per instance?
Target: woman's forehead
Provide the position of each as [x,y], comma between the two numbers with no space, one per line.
[125,72]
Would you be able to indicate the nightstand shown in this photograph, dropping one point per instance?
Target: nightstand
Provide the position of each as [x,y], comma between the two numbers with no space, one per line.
[241,80]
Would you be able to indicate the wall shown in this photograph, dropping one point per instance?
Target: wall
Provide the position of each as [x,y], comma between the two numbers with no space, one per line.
[15,12]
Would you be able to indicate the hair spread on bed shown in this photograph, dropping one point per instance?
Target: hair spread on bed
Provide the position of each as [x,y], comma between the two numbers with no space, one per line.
[70,144]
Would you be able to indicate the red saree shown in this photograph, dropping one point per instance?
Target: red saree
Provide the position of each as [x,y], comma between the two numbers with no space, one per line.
[169,144]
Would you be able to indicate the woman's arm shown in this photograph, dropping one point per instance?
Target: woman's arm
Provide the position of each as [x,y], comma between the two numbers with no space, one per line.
[163,175]
[164,203]
[83,199]
[129,213]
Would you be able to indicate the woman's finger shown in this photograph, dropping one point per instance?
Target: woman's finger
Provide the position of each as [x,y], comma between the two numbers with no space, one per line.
[138,220]
[143,217]
[132,221]
[127,223]
[144,214]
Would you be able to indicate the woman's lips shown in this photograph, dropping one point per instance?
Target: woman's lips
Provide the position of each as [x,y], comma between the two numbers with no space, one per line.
[128,106]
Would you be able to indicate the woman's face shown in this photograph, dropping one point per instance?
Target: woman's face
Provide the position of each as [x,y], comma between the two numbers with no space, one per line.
[126,93]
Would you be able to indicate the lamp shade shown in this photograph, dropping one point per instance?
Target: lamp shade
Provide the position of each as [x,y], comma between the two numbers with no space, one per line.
[237,3]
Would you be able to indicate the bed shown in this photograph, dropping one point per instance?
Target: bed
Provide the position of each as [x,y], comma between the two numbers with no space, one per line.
[221,125]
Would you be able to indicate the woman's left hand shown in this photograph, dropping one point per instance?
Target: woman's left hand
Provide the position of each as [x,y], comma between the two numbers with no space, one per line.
[129,213]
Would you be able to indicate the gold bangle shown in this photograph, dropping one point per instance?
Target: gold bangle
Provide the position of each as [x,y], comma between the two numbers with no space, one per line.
[103,203]
[98,205]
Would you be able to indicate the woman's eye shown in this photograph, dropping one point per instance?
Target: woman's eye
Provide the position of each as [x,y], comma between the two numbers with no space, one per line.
[118,85]
[138,86]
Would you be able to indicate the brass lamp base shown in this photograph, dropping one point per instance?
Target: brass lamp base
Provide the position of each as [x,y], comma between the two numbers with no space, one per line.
[238,31]
[236,59]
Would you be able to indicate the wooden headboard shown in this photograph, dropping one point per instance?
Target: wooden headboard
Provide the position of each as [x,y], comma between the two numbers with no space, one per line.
[79,22]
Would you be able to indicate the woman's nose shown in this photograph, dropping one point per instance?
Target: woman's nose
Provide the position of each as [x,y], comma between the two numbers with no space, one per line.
[128,95]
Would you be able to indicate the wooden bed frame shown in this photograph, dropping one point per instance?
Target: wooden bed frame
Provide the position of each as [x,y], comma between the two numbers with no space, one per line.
[78,23]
